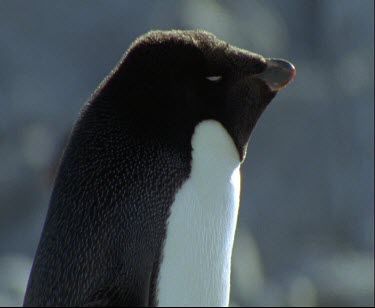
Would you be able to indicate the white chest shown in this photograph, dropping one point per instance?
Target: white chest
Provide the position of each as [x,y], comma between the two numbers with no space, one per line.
[195,269]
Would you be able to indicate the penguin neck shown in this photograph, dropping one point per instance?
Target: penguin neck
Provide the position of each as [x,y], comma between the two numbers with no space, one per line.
[196,259]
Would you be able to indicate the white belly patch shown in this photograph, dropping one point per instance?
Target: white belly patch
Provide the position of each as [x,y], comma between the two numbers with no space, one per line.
[196,260]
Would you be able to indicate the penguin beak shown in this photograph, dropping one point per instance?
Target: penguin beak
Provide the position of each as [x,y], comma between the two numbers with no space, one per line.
[278,74]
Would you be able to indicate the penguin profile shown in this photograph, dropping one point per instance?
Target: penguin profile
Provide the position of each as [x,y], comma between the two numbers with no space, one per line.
[144,206]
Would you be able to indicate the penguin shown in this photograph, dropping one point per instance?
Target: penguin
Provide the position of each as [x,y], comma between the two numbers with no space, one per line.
[144,206]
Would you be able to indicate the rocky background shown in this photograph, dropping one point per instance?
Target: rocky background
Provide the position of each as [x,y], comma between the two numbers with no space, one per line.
[305,234]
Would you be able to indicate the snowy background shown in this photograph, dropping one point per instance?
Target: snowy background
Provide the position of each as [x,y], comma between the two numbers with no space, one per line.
[305,234]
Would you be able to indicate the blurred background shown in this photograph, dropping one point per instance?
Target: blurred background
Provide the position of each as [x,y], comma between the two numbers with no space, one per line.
[305,233]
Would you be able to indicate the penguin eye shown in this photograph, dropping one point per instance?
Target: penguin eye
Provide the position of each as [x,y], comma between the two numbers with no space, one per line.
[214,78]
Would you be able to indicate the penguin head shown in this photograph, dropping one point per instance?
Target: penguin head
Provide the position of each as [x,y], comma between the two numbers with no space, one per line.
[170,81]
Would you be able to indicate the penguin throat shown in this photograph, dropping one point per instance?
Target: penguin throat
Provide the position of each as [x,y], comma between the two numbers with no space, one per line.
[196,260]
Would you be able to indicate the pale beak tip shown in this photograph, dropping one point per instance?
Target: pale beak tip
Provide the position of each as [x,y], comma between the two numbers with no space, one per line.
[278,74]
